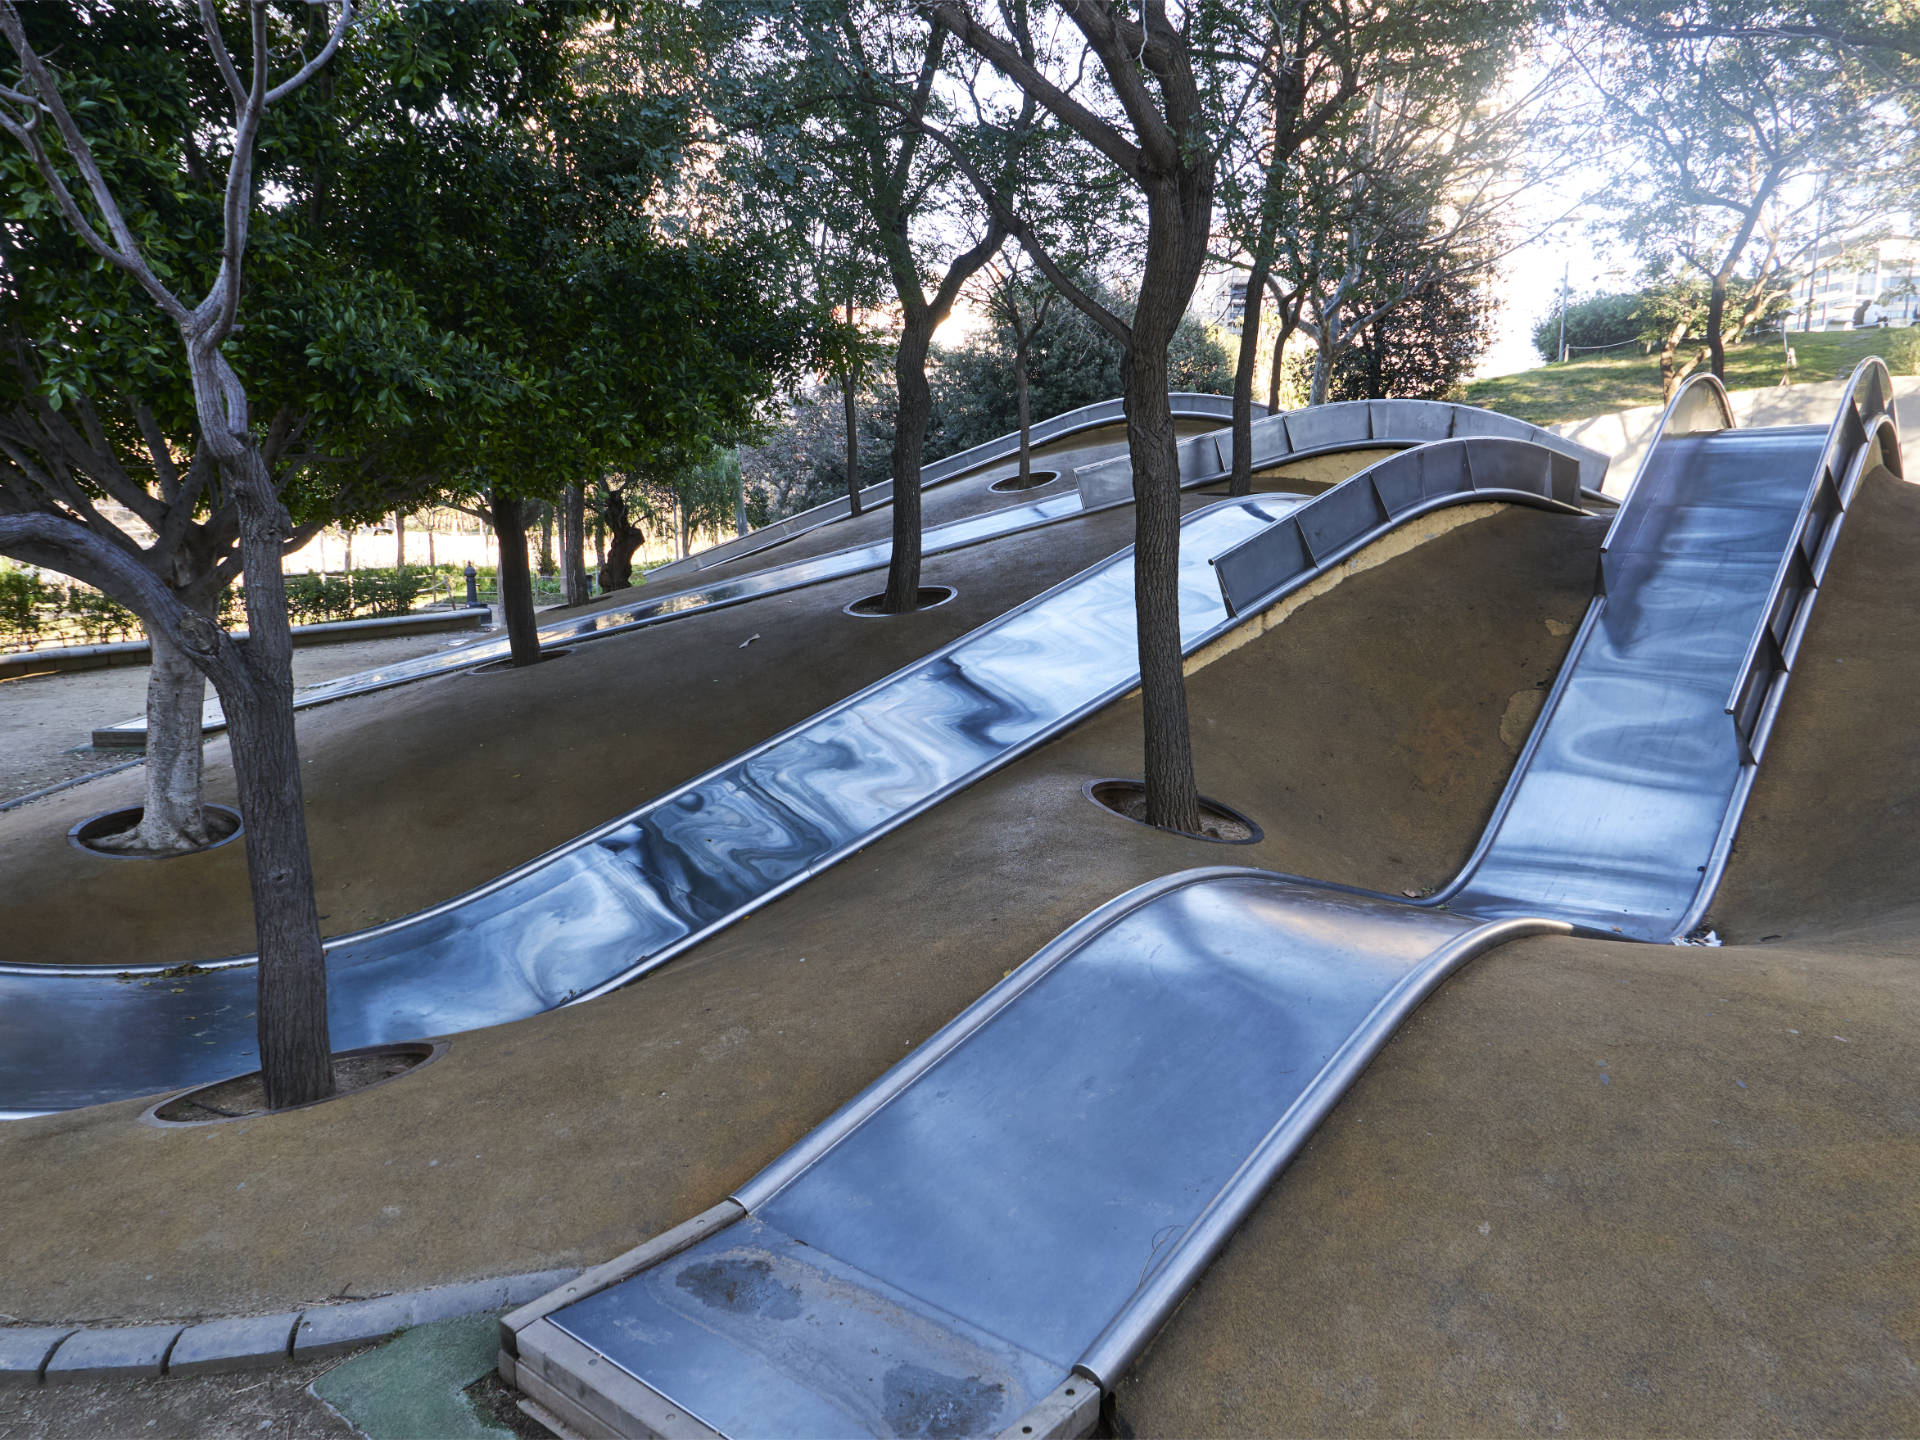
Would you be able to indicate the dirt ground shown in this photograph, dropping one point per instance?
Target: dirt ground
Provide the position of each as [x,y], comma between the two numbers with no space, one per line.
[46,721]
[250,1405]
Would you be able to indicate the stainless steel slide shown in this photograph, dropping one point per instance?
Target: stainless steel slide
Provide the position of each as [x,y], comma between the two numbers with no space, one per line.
[1185,406]
[1018,1206]
[987,1237]
[1344,425]
[627,897]
[713,595]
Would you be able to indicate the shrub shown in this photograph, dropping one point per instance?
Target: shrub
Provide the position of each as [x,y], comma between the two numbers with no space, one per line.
[21,595]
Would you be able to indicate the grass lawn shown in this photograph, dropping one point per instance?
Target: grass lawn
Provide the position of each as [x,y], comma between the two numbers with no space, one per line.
[1593,386]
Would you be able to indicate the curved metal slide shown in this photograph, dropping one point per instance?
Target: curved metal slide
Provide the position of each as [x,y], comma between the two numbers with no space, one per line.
[1184,404]
[985,1239]
[1346,426]
[625,898]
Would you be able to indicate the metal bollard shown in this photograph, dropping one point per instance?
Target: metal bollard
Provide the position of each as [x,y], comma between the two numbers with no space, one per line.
[473,588]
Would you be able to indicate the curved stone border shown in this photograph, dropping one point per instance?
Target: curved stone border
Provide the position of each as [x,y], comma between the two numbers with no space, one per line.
[46,1354]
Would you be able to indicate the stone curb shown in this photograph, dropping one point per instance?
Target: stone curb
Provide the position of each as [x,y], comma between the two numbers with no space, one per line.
[47,1354]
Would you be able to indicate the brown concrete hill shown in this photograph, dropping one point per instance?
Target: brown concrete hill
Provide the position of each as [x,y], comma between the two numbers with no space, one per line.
[1590,1189]
[1831,838]
[1364,734]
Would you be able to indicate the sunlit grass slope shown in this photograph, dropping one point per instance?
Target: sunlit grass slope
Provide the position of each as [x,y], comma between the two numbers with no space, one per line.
[1615,381]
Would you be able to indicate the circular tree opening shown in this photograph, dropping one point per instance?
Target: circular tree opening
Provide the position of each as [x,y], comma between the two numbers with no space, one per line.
[1035,479]
[245,1096]
[929,597]
[97,833]
[505,662]
[1219,823]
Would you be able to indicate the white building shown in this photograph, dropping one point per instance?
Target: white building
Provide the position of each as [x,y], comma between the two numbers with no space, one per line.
[1868,284]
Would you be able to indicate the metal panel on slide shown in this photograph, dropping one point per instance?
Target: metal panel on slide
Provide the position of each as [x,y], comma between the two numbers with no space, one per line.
[1030,1193]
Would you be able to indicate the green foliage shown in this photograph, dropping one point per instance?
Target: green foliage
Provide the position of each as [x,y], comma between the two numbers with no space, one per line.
[313,599]
[1072,362]
[22,592]
[1593,323]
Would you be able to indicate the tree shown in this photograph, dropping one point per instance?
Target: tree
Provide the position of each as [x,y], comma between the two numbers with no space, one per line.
[1595,323]
[97,411]
[1423,347]
[1731,113]
[1151,125]
[858,83]
[557,211]
[1305,57]
[1019,306]
[255,682]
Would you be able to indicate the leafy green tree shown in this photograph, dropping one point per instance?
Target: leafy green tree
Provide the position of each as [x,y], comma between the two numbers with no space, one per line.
[98,413]
[120,224]
[1733,109]
[1423,347]
[1595,323]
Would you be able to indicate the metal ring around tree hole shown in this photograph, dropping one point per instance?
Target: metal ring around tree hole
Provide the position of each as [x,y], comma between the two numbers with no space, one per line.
[115,822]
[1093,788]
[931,597]
[1010,484]
[505,665]
[424,1053]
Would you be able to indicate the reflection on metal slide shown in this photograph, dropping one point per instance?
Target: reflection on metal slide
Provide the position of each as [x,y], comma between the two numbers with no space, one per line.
[628,896]
[1018,1206]
[1622,810]
[714,595]
[1185,406]
[985,1239]
[1345,425]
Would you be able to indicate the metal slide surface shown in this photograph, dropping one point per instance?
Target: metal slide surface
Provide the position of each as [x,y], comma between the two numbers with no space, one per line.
[628,896]
[1343,425]
[1624,804]
[1022,1202]
[1030,1194]
[1185,406]
[619,620]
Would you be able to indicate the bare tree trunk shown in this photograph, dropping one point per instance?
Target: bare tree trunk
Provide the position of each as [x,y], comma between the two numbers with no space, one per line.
[1716,320]
[1173,798]
[1240,479]
[624,537]
[1022,394]
[576,588]
[1322,373]
[173,818]
[684,545]
[853,445]
[399,540]
[909,440]
[294,1044]
[546,539]
[516,579]
[1273,381]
